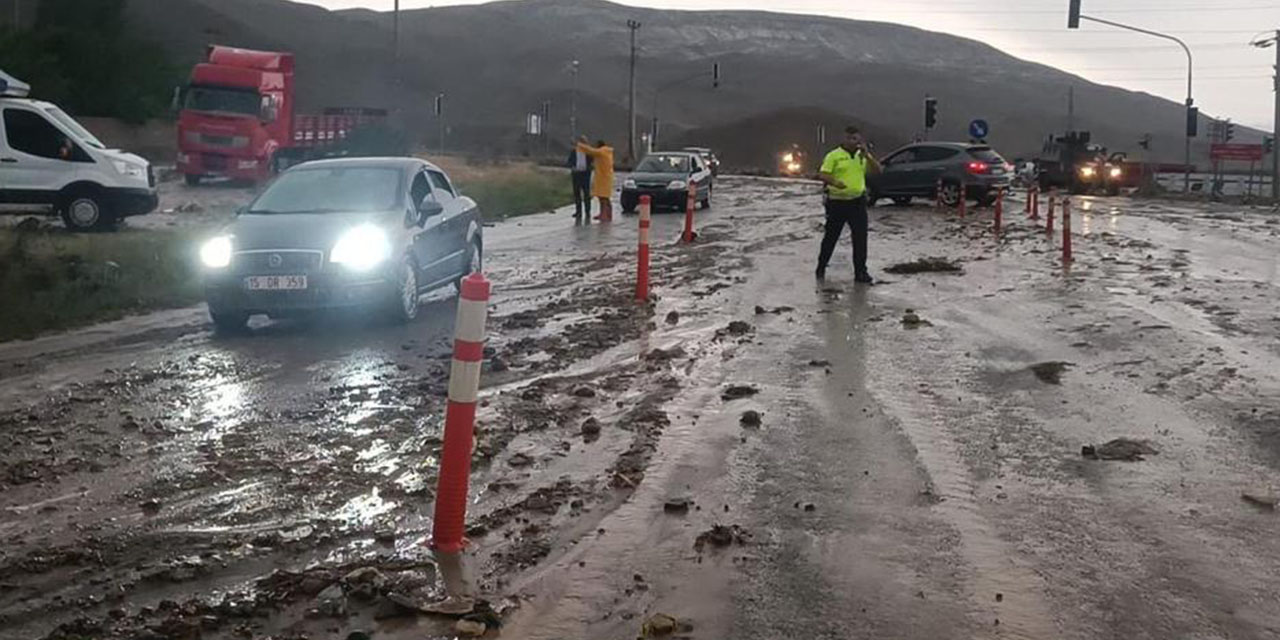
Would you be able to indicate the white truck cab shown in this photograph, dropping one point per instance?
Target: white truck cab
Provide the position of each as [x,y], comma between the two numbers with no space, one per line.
[49,163]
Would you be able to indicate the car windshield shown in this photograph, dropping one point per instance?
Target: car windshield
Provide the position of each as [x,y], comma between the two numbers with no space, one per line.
[331,190]
[74,127]
[243,101]
[664,164]
[986,154]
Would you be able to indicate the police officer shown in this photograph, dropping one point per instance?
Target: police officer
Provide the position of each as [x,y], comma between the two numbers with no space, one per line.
[844,171]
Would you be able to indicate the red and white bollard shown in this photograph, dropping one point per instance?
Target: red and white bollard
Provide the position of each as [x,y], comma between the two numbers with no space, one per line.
[1053,200]
[642,267]
[999,221]
[1066,232]
[448,527]
[688,235]
[1035,202]
[1030,188]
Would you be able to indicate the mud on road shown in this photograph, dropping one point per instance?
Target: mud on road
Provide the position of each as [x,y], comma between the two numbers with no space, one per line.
[757,455]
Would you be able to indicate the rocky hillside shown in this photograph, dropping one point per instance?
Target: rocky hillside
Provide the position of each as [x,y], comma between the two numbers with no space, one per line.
[501,60]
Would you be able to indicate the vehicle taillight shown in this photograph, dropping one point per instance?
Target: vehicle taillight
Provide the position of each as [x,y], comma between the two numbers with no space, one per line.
[978,167]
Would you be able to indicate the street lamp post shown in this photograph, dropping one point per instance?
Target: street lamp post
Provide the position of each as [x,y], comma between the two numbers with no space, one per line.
[1076,16]
[573,103]
[633,25]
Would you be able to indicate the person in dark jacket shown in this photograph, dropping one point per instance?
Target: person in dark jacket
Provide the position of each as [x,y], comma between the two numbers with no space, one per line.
[579,164]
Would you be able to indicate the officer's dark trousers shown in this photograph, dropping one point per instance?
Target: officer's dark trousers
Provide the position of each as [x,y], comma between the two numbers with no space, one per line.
[840,213]
[582,191]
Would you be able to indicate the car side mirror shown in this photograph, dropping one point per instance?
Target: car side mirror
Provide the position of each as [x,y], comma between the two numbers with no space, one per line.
[427,209]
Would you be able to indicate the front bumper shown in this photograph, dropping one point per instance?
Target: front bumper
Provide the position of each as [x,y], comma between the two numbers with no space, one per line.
[677,198]
[333,289]
[126,202]
[204,163]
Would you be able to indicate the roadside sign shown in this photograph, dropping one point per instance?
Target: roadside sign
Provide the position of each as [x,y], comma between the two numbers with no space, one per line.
[979,129]
[533,124]
[1242,152]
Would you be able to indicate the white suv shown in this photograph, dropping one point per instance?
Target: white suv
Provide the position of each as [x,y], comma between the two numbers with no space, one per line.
[49,163]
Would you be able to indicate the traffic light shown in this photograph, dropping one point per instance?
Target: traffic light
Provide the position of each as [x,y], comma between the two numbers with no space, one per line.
[1193,121]
[930,112]
[1228,131]
[1073,15]
[1268,144]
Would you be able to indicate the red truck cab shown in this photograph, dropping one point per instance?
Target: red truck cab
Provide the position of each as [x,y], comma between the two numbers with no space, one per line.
[236,114]
[238,118]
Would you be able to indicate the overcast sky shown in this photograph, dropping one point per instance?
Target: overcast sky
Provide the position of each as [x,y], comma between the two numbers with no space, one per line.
[1232,79]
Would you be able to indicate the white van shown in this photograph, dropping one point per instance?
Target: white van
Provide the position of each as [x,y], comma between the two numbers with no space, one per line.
[49,163]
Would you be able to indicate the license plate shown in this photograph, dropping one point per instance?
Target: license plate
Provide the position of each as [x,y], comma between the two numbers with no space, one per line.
[275,283]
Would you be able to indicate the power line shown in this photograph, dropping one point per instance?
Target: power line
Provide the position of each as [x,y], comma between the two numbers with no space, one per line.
[933,10]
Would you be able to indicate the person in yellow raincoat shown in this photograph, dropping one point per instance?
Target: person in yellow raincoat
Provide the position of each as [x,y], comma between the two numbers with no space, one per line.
[602,179]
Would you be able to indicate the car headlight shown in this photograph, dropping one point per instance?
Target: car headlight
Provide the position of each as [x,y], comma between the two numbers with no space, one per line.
[1087,171]
[216,253]
[678,184]
[129,170]
[1115,172]
[362,248]
[629,184]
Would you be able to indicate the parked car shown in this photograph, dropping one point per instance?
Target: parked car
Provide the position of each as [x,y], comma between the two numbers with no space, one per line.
[708,157]
[366,232]
[49,163]
[914,171]
[666,177]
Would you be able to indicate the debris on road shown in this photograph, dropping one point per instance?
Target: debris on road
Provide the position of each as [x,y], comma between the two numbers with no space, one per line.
[738,391]
[470,628]
[584,392]
[657,625]
[1263,501]
[736,328]
[720,536]
[673,317]
[775,311]
[520,460]
[819,363]
[1050,372]
[677,506]
[925,265]
[1125,449]
[751,418]
[912,320]
[590,428]
[663,355]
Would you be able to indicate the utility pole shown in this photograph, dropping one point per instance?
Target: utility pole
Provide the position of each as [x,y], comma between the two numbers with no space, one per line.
[1274,41]
[633,25]
[546,128]
[573,104]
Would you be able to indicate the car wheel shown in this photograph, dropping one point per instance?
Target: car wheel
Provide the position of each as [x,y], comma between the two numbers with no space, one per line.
[902,201]
[629,206]
[475,262]
[951,194]
[227,322]
[192,179]
[82,210]
[404,305]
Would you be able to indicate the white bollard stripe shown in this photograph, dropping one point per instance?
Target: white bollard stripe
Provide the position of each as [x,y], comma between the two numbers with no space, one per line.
[464,381]
[471,319]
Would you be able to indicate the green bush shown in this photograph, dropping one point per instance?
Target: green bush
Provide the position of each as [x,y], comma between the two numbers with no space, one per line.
[518,193]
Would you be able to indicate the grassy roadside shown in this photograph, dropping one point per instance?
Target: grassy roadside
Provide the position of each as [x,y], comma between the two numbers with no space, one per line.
[508,190]
[53,280]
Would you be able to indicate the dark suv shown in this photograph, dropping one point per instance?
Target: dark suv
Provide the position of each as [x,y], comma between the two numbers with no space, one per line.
[914,170]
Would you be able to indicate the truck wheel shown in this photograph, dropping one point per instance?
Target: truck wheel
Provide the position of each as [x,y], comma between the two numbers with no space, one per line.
[83,210]
[192,179]
[226,322]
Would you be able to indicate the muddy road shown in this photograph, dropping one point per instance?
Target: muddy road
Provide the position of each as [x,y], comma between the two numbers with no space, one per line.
[755,454]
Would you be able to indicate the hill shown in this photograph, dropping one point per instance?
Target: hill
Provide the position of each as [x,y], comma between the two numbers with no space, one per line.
[498,61]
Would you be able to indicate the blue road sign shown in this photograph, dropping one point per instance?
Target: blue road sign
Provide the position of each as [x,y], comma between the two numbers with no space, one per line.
[979,129]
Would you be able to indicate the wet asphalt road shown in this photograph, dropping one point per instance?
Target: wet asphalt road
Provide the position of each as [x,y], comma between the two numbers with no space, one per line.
[907,481]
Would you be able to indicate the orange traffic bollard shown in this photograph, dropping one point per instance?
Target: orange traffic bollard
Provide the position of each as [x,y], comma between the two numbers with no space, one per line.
[999,222]
[1053,200]
[448,527]
[1035,203]
[688,234]
[1066,231]
[642,268]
